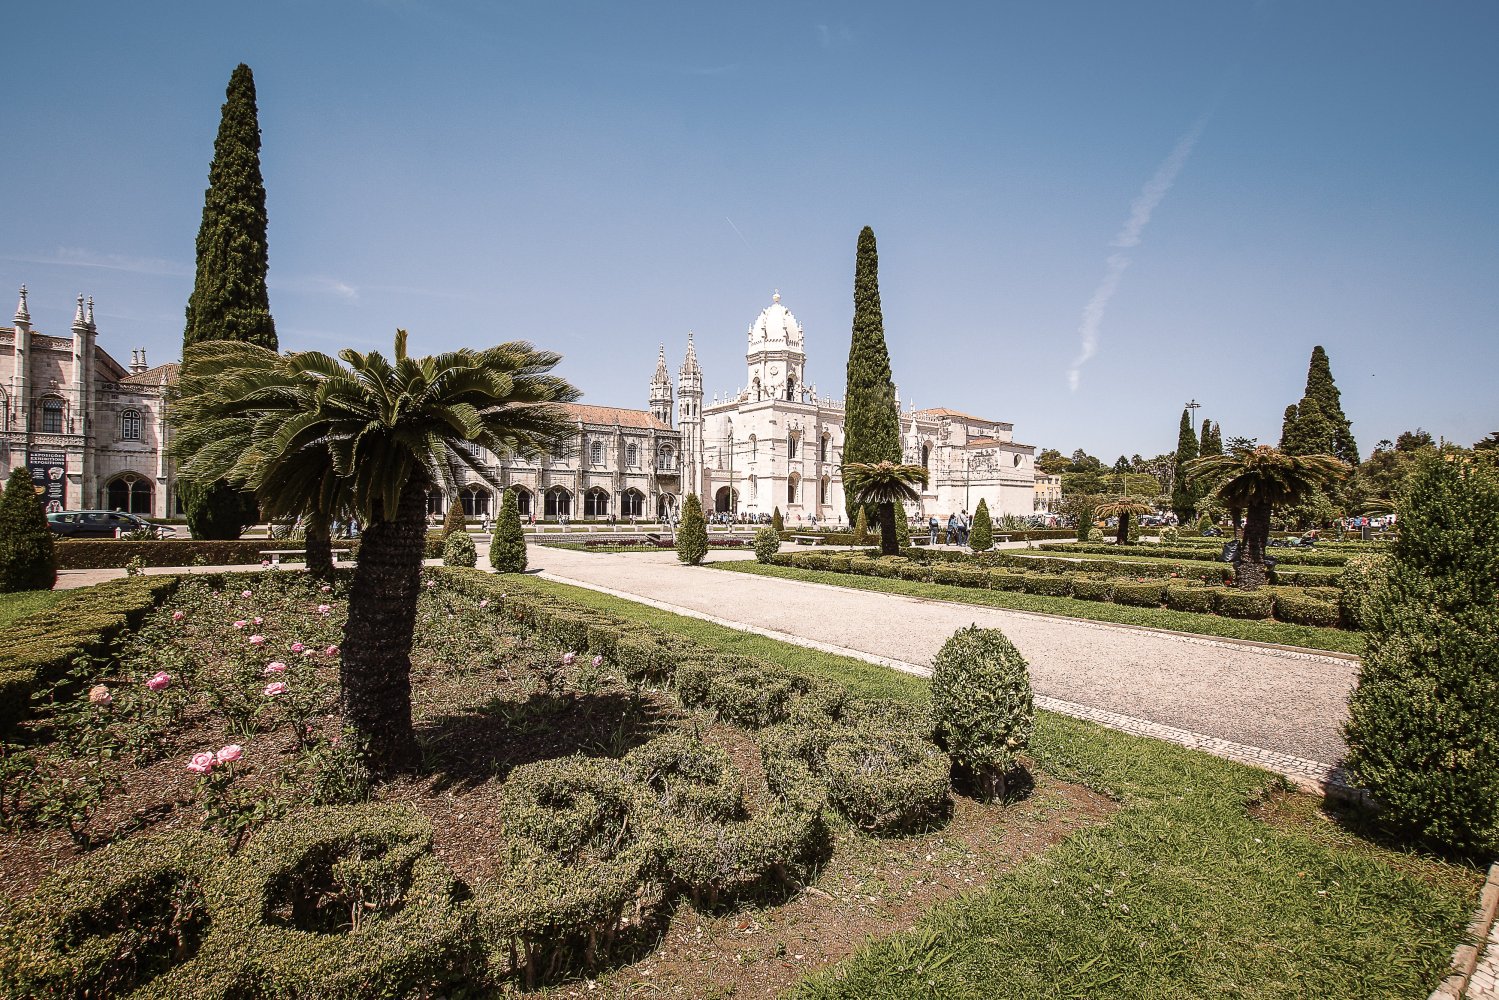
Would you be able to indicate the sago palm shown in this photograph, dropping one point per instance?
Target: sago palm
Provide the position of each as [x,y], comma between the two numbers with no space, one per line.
[1123,508]
[362,434]
[883,484]
[1257,481]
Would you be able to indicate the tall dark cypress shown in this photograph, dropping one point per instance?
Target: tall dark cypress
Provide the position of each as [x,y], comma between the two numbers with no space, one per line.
[229,300]
[1311,433]
[871,422]
[1321,388]
[1184,494]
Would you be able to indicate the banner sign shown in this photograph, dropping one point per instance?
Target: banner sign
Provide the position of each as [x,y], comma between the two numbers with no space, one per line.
[48,469]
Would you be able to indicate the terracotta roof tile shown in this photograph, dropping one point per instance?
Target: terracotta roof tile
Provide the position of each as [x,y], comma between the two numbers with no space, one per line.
[609,415]
[153,376]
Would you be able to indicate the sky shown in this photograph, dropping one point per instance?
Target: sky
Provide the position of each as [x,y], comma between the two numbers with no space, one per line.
[1088,214]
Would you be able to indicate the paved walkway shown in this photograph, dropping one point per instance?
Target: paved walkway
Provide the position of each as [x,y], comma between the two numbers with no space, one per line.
[1280,709]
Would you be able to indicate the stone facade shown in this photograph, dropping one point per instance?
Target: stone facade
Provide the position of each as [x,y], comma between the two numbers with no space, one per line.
[68,404]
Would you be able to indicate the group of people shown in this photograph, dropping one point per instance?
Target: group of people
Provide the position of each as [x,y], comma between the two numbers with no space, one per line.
[958,526]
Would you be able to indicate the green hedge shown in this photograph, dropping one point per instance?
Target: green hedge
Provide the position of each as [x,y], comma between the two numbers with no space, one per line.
[1244,604]
[1286,557]
[1181,597]
[39,649]
[111,553]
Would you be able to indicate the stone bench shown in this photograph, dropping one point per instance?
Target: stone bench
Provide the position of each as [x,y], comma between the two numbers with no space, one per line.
[276,554]
[809,539]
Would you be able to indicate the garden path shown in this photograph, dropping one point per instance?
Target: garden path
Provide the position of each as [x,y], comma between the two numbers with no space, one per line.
[1278,708]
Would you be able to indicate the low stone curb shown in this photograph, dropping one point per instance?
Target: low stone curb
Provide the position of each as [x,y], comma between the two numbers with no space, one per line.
[1465,956]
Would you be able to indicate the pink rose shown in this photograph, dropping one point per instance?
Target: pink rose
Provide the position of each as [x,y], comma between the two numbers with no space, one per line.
[99,695]
[331,651]
[276,667]
[275,688]
[230,753]
[247,593]
[431,583]
[265,563]
[484,603]
[201,763]
[257,640]
[159,680]
[241,623]
[297,647]
[598,661]
[323,609]
[177,616]
[568,658]
[325,588]
[258,620]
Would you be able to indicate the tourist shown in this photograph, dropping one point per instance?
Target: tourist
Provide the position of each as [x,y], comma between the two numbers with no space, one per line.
[932,528]
[952,529]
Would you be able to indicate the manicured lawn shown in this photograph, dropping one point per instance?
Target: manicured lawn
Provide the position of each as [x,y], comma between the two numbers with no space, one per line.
[1305,636]
[14,607]
[1212,881]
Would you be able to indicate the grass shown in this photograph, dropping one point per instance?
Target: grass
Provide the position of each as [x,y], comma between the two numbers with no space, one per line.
[14,607]
[1280,633]
[1212,881]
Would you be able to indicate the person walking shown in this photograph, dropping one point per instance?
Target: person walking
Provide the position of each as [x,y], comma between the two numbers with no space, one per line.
[963,526]
[932,528]
[952,529]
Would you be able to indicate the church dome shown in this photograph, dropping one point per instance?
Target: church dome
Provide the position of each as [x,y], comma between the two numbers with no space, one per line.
[776,325]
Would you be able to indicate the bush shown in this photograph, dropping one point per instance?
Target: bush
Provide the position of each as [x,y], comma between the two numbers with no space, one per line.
[458,550]
[27,561]
[1048,585]
[1356,585]
[1250,604]
[1092,590]
[1299,608]
[982,706]
[767,544]
[981,538]
[1421,731]
[956,575]
[1138,594]
[1184,597]
[507,546]
[453,522]
[861,528]
[692,533]
[777,523]
[1004,580]
[885,781]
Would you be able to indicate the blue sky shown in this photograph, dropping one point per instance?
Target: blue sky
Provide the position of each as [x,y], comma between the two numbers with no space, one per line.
[1202,191]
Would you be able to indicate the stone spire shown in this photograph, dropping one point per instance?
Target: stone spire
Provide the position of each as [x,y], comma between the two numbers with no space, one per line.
[79,322]
[689,364]
[661,389]
[23,315]
[90,318]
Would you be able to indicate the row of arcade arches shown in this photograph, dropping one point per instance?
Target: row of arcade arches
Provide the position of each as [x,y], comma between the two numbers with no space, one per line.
[595,503]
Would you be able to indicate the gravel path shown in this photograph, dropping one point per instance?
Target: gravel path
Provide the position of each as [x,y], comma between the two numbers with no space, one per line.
[1286,703]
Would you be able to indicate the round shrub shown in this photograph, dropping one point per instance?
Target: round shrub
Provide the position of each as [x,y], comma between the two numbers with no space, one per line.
[458,550]
[767,544]
[687,778]
[886,781]
[982,706]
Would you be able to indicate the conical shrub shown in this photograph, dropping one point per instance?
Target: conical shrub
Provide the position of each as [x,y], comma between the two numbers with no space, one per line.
[27,559]
[507,546]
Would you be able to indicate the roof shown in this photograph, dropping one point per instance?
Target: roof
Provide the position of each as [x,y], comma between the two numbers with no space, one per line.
[644,419]
[942,411]
[153,376]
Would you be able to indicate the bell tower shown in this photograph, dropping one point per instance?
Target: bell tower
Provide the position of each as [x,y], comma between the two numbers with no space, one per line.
[775,357]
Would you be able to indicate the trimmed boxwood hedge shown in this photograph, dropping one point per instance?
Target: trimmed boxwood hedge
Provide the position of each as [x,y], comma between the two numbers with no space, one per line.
[112,553]
[1087,589]
[1286,557]
[1255,604]
[1181,597]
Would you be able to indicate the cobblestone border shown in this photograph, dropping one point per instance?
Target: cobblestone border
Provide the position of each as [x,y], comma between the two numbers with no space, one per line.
[1465,958]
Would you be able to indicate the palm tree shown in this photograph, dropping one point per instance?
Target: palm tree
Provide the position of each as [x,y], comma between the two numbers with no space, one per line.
[884,484]
[1122,507]
[319,435]
[1256,481]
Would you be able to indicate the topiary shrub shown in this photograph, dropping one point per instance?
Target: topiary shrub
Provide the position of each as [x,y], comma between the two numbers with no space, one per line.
[458,550]
[1421,731]
[914,571]
[1005,580]
[767,544]
[982,707]
[1048,585]
[27,561]
[1184,597]
[1356,585]
[861,528]
[981,536]
[957,575]
[1087,589]
[1299,608]
[692,533]
[885,781]
[749,696]
[777,523]
[453,521]
[507,546]
[1252,604]
[1139,594]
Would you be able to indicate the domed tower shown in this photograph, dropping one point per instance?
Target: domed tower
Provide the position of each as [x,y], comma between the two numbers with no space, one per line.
[661,390]
[690,421]
[775,356]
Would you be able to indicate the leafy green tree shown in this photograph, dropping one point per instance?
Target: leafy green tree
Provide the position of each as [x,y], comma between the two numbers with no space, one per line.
[1490,443]
[776,521]
[1257,482]
[1183,496]
[1211,442]
[884,484]
[1121,466]
[1052,462]
[1414,440]
[1321,388]
[1310,433]
[902,530]
[692,533]
[507,546]
[1421,732]
[871,424]
[27,558]
[454,522]
[229,300]
[360,433]
[981,537]
[1123,508]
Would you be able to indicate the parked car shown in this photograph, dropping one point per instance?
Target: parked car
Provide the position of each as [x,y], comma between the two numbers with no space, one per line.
[103,524]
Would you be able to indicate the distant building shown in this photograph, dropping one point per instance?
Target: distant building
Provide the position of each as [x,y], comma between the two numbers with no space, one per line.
[1048,492]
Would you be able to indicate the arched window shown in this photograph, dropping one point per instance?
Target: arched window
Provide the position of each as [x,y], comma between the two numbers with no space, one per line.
[130,424]
[632,503]
[666,459]
[791,388]
[792,438]
[822,449]
[522,501]
[793,488]
[632,456]
[754,485]
[434,502]
[822,491]
[754,447]
[596,503]
[475,500]
[926,457]
[559,502]
[596,453]
[51,416]
[131,494]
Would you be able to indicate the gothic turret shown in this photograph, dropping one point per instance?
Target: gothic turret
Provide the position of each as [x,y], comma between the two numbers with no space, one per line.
[20,392]
[690,419]
[775,355]
[661,390]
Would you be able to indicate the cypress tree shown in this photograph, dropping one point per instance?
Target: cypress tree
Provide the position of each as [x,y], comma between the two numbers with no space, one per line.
[1184,494]
[27,558]
[777,522]
[507,546]
[871,428]
[1214,445]
[1288,425]
[981,538]
[902,528]
[861,527]
[1321,387]
[454,520]
[1311,433]
[1421,731]
[692,533]
[229,299]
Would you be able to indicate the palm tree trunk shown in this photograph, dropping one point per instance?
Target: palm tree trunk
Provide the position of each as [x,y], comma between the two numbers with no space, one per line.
[1249,562]
[376,675]
[1122,538]
[889,544]
[319,548]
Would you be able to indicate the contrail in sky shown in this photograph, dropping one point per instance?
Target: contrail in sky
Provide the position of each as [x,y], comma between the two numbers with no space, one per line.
[736,229]
[1129,237]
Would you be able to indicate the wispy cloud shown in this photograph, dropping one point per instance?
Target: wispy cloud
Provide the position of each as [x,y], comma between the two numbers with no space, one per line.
[834,35]
[77,257]
[314,285]
[1128,238]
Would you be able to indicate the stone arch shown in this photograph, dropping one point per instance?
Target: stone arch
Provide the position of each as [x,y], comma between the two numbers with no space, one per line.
[129,492]
[558,502]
